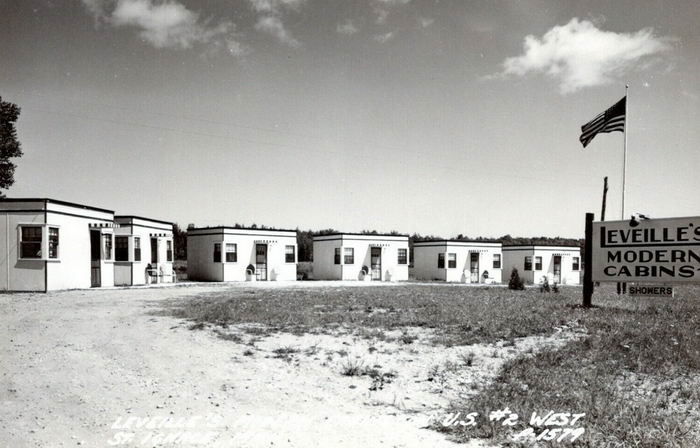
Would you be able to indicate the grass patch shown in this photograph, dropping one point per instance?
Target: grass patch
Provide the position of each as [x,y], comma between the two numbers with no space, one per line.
[635,376]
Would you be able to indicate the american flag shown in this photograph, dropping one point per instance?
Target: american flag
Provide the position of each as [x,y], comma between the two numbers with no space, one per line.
[611,120]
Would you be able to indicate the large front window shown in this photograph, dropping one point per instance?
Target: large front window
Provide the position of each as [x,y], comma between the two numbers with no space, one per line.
[30,242]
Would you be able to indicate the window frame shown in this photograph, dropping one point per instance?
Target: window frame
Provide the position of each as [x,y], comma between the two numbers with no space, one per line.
[137,248]
[348,255]
[228,252]
[107,250]
[527,263]
[168,251]
[575,263]
[399,257]
[336,256]
[117,248]
[538,263]
[451,260]
[217,253]
[441,260]
[22,242]
[287,254]
[497,259]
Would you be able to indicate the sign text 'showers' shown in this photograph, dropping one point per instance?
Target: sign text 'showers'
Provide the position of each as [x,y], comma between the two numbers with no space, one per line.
[654,251]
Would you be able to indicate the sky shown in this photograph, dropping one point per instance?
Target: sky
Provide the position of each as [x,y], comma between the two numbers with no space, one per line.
[436,117]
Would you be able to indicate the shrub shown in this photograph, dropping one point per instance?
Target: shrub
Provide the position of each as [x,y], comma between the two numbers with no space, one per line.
[515,281]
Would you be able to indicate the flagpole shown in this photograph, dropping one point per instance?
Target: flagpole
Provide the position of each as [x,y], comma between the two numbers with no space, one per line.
[624,156]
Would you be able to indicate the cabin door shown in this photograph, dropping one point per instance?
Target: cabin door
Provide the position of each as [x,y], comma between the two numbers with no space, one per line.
[95,250]
[474,267]
[376,262]
[261,262]
[557,269]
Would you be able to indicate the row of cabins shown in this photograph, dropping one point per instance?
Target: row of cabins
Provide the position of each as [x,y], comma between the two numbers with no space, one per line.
[50,245]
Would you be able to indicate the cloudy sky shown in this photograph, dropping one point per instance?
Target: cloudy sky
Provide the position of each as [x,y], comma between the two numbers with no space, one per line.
[437,117]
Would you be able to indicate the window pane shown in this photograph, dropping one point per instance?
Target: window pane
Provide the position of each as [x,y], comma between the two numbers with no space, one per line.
[121,248]
[53,242]
[289,256]
[451,261]
[349,255]
[402,256]
[231,252]
[497,261]
[137,248]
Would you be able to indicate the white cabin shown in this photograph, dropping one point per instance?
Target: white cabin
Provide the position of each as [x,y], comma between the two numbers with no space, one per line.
[457,261]
[351,256]
[222,254]
[143,251]
[559,264]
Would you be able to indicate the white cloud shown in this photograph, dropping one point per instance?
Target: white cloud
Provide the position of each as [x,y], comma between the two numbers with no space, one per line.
[347,28]
[425,22]
[579,55]
[381,8]
[274,26]
[270,18]
[275,6]
[382,38]
[163,25]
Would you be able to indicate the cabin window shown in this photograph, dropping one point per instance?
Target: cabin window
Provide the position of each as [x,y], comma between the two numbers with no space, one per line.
[137,248]
[441,261]
[403,256]
[451,261]
[289,254]
[336,258]
[121,248]
[349,257]
[107,238]
[576,264]
[528,263]
[538,263]
[53,242]
[168,250]
[217,252]
[30,242]
[497,261]
[231,252]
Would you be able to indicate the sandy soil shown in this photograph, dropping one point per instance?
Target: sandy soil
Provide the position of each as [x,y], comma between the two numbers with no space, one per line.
[97,368]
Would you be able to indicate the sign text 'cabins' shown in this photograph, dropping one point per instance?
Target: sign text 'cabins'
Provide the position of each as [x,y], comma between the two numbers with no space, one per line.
[650,251]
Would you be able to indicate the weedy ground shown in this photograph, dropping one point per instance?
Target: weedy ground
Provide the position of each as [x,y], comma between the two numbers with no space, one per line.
[635,372]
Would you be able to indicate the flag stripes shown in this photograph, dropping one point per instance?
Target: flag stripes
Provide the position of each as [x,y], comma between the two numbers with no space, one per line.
[611,120]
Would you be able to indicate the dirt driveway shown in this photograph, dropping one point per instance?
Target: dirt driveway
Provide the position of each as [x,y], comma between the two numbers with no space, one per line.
[96,368]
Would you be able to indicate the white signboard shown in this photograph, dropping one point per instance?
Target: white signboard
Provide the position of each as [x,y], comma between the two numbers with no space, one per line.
[647,251]
[650,290]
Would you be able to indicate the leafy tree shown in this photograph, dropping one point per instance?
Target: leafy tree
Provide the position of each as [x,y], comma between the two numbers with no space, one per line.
[180,240]
[9,145]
